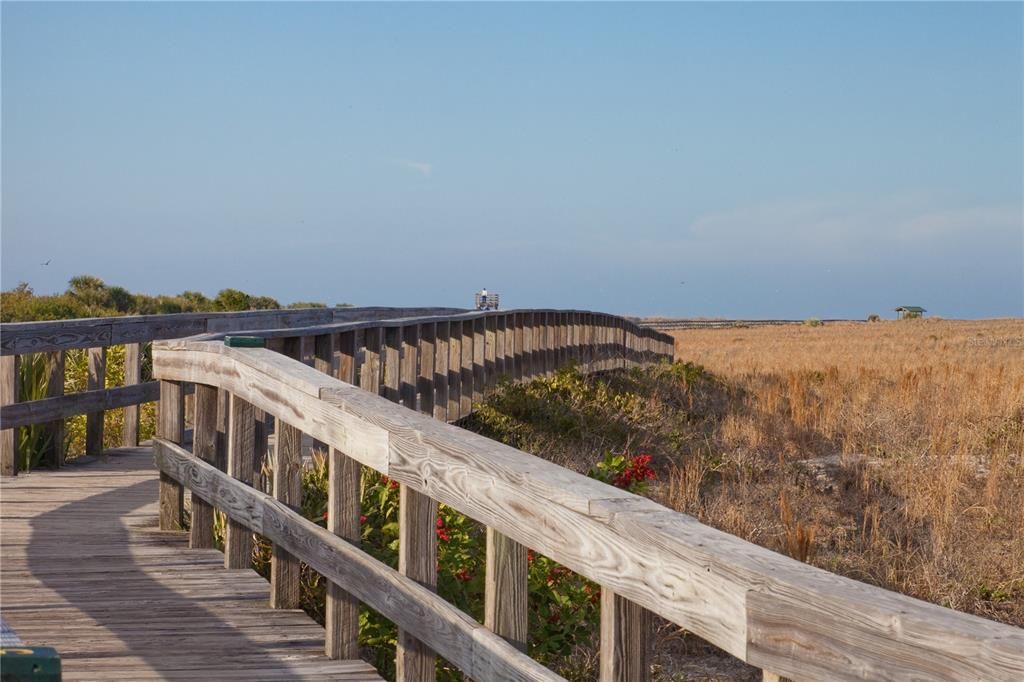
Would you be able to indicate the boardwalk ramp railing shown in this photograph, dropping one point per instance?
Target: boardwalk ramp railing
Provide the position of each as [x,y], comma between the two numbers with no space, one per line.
[775,613]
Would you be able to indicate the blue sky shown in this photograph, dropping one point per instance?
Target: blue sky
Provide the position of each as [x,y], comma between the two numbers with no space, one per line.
[783,160]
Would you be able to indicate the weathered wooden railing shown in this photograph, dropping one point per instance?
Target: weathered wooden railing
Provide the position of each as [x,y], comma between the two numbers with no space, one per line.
[54,338]
[773,612]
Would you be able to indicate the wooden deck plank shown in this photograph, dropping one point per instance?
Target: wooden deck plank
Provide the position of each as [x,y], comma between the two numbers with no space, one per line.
[85,570]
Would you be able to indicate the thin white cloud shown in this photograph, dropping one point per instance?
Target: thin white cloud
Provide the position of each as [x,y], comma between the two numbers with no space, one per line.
[424,168]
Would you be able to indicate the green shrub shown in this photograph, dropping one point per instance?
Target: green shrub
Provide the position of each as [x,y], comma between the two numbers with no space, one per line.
[812,322]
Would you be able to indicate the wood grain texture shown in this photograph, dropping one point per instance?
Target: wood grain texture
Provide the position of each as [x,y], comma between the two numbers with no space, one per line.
[506,590]
[343,509]
[417,560]
[625,640]
[54,453]
[490,353]
[204,446]
[441,371]
[425,377]
[171,427]
[369,379]
[481,654]
[241,456]
[347,357]
[95,381]
[132,377]
[408,376]
[284,568]
[9,390]
[88,573]
[390,389]
[466,388]
[454,371]
[62,406]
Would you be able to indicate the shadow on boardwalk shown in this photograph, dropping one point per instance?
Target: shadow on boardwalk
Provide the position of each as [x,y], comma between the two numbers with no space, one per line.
[85,571]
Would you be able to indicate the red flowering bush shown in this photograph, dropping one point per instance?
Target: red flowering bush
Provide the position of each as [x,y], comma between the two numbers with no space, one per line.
[628,473]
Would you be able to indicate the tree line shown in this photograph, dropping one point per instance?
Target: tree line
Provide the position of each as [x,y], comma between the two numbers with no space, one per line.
[90,296]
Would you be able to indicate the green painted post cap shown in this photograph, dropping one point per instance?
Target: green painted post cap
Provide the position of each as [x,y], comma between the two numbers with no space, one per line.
[245,341]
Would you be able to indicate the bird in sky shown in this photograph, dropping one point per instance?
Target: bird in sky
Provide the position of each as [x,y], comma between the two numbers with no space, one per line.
[47,262]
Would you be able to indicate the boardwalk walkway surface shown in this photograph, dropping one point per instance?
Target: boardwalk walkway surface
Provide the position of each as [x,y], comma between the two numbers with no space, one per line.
[84,569]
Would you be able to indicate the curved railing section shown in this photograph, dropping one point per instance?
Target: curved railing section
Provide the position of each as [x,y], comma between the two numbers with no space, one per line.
[53,339]
[766,609]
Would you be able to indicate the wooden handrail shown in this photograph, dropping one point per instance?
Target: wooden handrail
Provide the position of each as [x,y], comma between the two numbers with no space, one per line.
[764,608]
[54,338]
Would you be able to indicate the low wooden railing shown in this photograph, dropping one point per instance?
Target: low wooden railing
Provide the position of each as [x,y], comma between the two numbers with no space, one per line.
[768,610]
[54,338]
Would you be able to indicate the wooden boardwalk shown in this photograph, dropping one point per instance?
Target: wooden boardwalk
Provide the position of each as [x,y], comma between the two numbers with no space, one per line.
[84,569]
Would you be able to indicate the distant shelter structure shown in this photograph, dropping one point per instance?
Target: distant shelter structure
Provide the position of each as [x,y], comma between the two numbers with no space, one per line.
[909,311]
[485,301]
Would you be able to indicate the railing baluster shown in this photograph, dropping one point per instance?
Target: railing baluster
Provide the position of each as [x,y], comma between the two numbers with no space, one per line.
[347,357]
[490,368]
[392,363]
[417,559]
[425,378]
[343,508]
[369,379]
[171,426]
[479,359]
[502,347]
[132,376]
[518,358]
[284,568]
[408,375]
[55,388]
[455,371]
[506,589]
[441,371]
[625,639]
[204,447]
[9,390]
[95,381]
[466,388]
[241,454]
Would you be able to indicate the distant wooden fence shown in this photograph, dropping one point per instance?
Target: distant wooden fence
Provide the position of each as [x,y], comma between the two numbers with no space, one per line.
[97,334]
[766,609]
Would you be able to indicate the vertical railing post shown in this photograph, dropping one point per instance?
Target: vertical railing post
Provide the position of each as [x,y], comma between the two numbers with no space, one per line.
[55,388]
[9,389]
[392,359]
[369,379]
[204,447]
[343,508]
[466,388]
[96,380]
[170,427]
[479,359]
[506,589]
[408,375]
[455,371]
[529,346]
[241,457]
[490,368]
[517,340]
[287,486]
[503,346]
[347,357]
[417,559]
[132,376]
[625,640]
[323,353]
[441,371]
[425,378]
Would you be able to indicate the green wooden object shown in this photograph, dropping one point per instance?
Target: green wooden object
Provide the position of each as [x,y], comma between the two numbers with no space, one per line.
[29,663]
[245,341]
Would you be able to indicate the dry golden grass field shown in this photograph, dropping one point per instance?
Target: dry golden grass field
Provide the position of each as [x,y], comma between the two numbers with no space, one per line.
[890,452]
